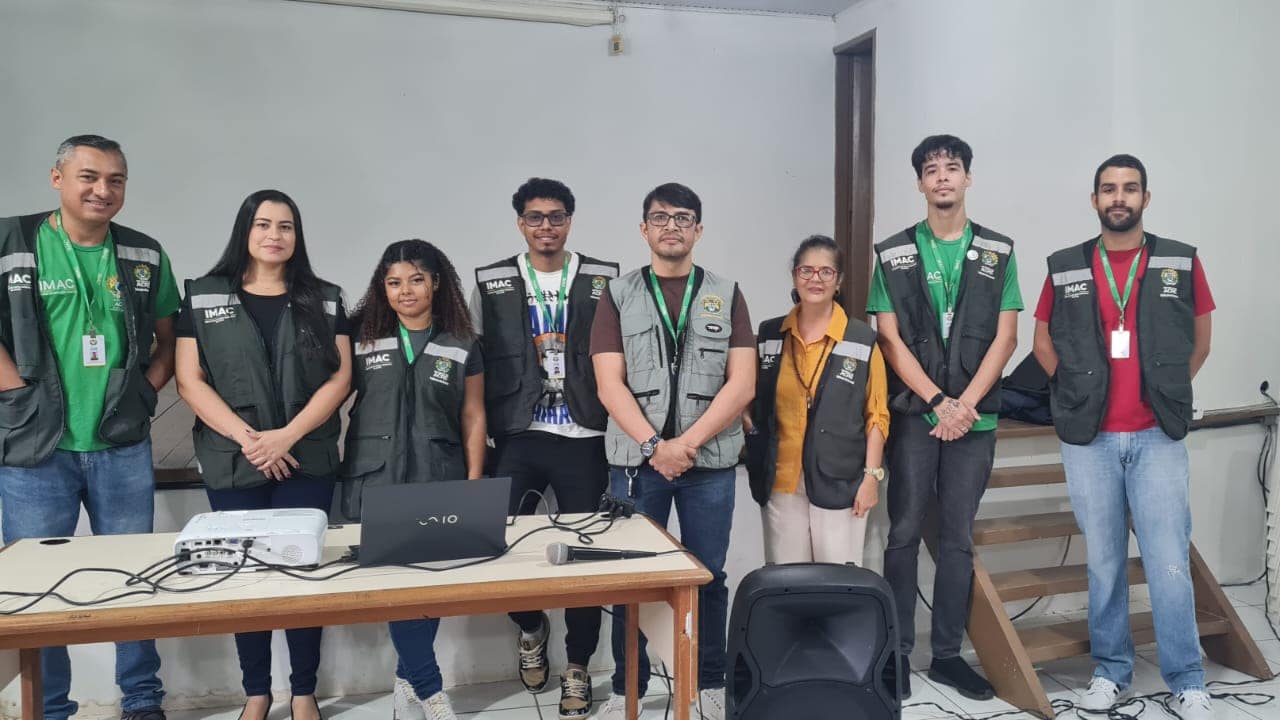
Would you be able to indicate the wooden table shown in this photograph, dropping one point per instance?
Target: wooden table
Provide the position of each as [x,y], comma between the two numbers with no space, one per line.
[267,600]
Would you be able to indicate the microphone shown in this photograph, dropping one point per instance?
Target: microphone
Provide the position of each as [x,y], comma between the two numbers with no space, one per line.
[559,554]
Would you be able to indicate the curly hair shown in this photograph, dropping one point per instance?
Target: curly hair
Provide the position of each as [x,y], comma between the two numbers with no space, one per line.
[373,316]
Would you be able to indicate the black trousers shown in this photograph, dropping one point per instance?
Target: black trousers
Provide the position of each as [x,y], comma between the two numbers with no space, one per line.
[949,478]
[575,468]
[254,648]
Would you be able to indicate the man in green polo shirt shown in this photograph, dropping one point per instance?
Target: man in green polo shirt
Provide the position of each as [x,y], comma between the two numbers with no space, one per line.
[945,294]
[86,341]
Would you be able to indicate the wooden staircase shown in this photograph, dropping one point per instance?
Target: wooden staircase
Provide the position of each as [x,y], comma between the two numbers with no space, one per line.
[1008,653]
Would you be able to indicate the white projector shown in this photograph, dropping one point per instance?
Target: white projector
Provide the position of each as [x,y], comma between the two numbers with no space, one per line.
[214,542]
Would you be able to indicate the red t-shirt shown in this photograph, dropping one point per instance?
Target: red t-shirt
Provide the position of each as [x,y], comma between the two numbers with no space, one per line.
[1127,410]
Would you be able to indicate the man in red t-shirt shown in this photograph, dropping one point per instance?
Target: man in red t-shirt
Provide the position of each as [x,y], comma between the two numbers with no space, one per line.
[1122,326]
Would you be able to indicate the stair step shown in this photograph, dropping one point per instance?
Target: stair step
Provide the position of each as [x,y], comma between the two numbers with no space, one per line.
[1069,639]
[1027,475]
[1016,528]
[1036,582]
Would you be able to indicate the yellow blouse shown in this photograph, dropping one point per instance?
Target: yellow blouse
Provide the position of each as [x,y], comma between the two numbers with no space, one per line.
[791,407]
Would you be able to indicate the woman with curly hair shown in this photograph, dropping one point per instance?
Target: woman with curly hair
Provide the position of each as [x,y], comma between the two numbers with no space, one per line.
[418,416]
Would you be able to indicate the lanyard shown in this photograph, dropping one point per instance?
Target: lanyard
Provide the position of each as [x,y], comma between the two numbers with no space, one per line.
[86,291]
[1122,303]
[949,290]
[561,302]
[677,330]
[813,377]
[407,341]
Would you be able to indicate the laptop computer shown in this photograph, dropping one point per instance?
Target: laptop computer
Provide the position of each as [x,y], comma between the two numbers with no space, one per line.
[433,521]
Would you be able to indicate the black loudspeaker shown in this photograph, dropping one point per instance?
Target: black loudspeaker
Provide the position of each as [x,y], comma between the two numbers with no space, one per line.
[812,640]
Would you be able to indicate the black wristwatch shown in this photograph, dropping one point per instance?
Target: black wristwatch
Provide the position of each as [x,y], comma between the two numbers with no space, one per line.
[648,446]
[937,400]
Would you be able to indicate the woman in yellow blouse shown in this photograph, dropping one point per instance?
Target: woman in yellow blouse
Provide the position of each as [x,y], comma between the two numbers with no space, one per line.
[819,421]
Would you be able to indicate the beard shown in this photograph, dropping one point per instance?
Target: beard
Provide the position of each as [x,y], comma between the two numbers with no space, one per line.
[1124,224]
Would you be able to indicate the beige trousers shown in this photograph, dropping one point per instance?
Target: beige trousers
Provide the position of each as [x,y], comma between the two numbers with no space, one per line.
[796,530]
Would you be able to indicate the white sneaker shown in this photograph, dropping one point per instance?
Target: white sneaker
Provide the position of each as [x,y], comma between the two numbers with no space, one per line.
[613,709]
[1194,705]
[405,702]
[408,706]
[709,705]
[1100,696]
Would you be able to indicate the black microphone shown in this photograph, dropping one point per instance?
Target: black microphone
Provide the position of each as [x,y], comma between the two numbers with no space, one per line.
[559,554]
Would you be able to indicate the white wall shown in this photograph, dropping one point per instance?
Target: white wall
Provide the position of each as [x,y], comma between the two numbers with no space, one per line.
[385,125]
[1044,92]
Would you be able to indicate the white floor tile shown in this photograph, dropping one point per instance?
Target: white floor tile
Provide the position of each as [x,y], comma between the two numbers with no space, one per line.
[1255,594]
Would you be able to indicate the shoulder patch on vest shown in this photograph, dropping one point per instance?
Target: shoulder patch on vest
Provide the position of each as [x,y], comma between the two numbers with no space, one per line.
[1172,262]
[855,350]
[848,370]
[1071,277]
[455,354]
[330,307]
[903,257]
[138,254]
[999,246]
[597,269]
[497,281]
[379,345]
[13,261]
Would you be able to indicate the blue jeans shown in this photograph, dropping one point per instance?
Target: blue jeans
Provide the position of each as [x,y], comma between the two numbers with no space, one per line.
[116,487]
[254,648]
[704,504]
[1144,475]
[415,643]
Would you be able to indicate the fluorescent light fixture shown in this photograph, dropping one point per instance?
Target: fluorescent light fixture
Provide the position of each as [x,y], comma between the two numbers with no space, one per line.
[569,12]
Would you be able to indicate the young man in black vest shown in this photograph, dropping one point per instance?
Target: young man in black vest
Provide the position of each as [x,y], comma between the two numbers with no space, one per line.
[534,312]
[82,301]
[946,298]
[1122,326]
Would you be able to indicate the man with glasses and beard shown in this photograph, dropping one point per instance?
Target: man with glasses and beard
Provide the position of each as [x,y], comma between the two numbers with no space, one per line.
[534,313]
[1122,326]
[674,353]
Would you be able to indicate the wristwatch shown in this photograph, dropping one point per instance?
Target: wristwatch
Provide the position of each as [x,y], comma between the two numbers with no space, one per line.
[648,446]
[877,473]
[937,400]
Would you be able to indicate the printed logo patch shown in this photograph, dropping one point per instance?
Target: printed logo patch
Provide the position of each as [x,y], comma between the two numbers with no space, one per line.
[498,287]
[989,258]
[117,297]
[598,284]
[215,315]
[19,281]
[1076,290]
[712,304]
[847,368]
[442,370]
[377,361]
[906,262]
[141,278]
[1169,278]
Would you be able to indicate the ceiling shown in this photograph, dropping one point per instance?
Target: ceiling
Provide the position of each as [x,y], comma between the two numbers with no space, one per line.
[802,7]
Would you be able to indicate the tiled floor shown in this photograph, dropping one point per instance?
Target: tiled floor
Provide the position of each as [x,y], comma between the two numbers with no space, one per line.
[1061,679]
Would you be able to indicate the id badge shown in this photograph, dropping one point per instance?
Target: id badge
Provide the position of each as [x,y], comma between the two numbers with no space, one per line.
[947,318]
[1119,344]
[553,361]
[94,349]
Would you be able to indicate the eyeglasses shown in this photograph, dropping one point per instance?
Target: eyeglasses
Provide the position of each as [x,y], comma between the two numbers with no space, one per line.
[660,219]
[557,218]
[824,273]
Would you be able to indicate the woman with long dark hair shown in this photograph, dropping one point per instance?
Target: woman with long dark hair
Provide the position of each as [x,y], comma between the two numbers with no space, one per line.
[418,417]
[264,360]
[820,419]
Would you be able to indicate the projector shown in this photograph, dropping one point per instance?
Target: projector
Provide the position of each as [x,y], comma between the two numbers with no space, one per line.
[214,542]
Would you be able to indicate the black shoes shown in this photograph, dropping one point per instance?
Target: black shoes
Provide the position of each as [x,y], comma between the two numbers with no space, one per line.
[147,713]
[956,673]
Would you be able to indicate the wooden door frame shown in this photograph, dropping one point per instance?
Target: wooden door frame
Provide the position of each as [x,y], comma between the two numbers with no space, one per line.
[855,167]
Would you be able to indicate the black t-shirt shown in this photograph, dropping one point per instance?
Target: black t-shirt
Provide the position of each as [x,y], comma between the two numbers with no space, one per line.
[265,311]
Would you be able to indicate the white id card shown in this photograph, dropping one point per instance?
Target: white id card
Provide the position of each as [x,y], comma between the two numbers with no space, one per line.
[1119,344]
[947,318]
[95,350]
[553,362]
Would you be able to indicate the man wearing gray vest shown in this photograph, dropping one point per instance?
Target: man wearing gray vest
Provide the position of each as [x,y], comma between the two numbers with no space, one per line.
[945,293]
[534,312]
[82,301]
[1122,326]
[674,353]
